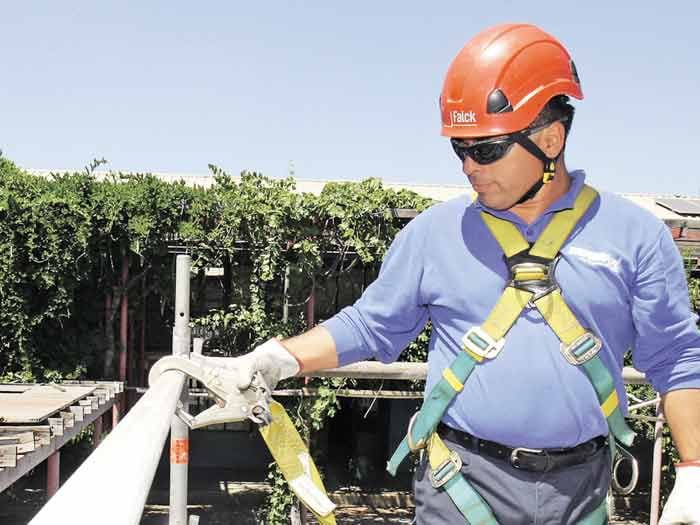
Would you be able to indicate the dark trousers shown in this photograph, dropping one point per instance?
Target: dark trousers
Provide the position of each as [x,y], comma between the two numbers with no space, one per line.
[517,497]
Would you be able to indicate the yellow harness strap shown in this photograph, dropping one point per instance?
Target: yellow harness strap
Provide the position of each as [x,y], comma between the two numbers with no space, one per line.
[507,310]
[562,224]
[295,462]
[559,317]
[506,234]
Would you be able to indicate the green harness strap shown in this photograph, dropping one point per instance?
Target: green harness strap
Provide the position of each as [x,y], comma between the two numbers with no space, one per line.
[579,346]
[598,517]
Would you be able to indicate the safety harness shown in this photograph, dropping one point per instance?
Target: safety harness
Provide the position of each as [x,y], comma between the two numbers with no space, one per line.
[531,285]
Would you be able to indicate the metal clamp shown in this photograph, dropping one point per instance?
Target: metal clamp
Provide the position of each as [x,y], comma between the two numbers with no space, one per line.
[412,445]
[482,345]
[582,349]
[447,470]
[231,405]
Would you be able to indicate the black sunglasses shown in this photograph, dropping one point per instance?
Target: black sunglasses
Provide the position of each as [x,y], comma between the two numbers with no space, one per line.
[489,151]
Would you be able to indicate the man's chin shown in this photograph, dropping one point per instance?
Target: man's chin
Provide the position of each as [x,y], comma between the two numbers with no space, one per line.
[494,204]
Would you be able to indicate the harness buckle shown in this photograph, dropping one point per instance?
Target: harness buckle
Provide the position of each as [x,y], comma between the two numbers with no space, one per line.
[481,345]
[535,277]
[582,349]
[447,470]
[412,445]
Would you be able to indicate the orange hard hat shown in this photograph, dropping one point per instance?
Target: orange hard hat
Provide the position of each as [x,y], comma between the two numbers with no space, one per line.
[502,78]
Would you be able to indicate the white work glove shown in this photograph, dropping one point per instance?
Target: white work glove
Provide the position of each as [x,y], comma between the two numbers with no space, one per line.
[683,505]
[271,359]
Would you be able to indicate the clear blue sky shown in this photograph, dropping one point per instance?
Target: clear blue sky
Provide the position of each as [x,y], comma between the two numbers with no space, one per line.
[345,90]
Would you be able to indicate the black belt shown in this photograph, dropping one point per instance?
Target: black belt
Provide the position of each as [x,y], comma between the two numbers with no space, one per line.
[535,460]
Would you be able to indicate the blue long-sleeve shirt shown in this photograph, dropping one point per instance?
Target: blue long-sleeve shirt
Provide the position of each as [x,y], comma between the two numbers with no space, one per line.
[619,272]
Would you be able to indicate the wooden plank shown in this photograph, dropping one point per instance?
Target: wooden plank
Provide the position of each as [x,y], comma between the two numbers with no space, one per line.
[42,433]
[24,441]
[31,460]
[68,419]
[95,402]
[111,391]
[14,388]
[56,424]
[39,402]
[87,405]
[375,370]
[418,371]
[8,456]
[78,412]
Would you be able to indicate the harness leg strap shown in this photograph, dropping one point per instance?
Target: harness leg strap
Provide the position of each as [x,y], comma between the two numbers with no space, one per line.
[598,517]
[445,472]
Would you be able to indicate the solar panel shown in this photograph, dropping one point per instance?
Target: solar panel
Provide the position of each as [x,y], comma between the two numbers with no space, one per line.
[681,206]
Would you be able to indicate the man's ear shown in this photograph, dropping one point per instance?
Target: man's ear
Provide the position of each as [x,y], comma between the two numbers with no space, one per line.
[552,139]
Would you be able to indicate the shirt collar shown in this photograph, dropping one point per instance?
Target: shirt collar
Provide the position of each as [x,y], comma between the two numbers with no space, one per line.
[565,202]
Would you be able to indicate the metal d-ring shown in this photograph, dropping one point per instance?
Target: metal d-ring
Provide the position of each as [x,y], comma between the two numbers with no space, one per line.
[623,456]
[412,445]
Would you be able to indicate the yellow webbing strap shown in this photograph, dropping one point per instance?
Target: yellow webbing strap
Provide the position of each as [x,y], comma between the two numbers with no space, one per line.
[506,312]
[438,453]
[445,467]
[452,380]
[506,234]
[557,231]
[551,239]
[293,459]
[560,317]
[610,403]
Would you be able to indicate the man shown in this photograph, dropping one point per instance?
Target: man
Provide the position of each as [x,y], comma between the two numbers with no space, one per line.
[530,323]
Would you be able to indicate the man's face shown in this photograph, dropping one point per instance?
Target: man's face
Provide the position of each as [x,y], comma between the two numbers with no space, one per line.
[502,183]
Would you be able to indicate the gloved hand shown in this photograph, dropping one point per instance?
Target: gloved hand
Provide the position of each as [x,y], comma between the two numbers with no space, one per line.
[271,359]
[683,505]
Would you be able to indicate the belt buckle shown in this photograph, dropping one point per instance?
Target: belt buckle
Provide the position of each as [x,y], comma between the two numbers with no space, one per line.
[447,470]
[514,455]
[481,345]
[582,349]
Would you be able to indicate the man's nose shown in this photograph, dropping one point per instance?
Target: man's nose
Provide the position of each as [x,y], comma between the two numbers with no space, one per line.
[469,166]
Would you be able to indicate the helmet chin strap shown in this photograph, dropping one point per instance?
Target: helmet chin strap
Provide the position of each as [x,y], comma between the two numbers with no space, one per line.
[549,166]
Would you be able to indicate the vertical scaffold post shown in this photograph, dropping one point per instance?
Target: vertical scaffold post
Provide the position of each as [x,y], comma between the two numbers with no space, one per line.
[656,466]
[53,473]
[179,433]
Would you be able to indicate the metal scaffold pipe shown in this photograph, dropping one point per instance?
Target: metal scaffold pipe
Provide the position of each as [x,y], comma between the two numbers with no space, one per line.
[112,485]
[179,433]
